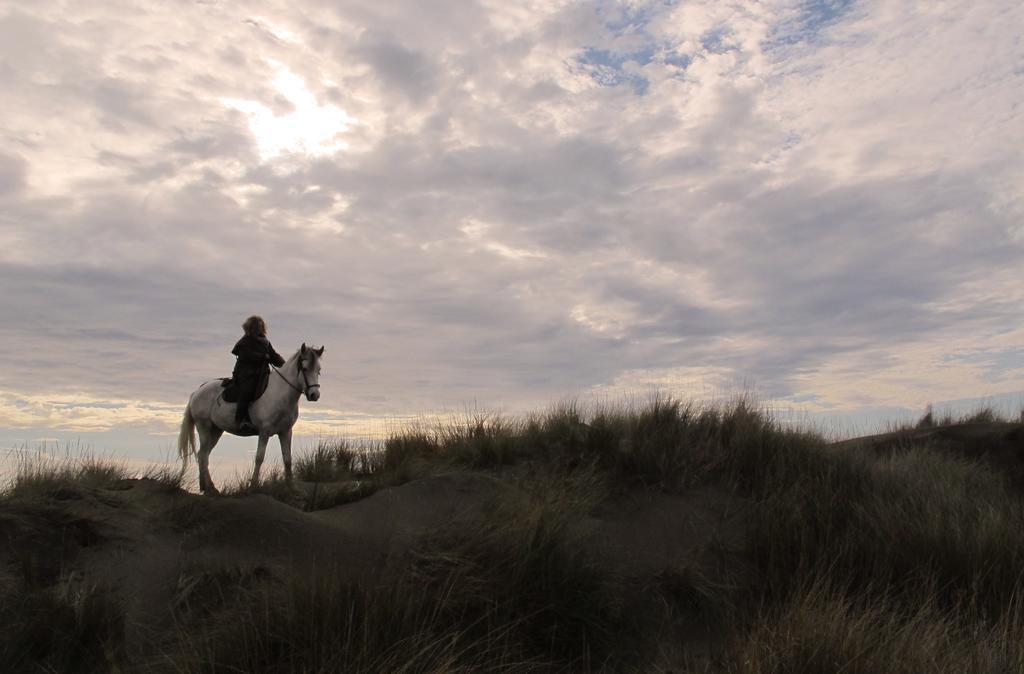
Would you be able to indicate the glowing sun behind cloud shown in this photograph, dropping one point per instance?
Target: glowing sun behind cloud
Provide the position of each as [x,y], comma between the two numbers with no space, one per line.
[311,129]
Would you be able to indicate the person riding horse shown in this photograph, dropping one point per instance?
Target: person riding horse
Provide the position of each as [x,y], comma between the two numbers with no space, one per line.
[254,352]
[274,412]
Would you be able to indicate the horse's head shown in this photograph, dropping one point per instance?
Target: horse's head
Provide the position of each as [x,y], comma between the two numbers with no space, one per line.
[309,371]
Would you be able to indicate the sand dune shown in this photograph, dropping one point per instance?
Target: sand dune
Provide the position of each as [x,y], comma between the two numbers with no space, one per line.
[169,561]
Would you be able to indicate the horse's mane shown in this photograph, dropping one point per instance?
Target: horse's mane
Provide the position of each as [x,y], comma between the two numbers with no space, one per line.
[297,353]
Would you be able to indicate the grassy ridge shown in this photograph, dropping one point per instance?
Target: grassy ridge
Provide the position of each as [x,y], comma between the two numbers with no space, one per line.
[511,593]
[908,559]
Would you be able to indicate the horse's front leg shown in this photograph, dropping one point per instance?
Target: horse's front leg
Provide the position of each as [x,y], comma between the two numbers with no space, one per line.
[286,452]
[261,451]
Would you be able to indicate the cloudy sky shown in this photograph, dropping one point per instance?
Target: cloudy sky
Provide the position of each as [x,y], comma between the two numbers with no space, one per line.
[480,203]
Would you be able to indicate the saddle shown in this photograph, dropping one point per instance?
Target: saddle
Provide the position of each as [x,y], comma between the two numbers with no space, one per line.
[231,386]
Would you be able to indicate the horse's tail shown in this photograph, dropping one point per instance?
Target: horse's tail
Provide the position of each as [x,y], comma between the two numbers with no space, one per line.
[187,436]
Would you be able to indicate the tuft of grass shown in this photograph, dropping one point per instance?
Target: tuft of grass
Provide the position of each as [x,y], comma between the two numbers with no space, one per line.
[403,450]
[69,477]
[983,415]
[483,441]
[70,627]
[822,630]
[64,478]
[336,459]
[927,420]
[170,478]
[326,463]
[272,483]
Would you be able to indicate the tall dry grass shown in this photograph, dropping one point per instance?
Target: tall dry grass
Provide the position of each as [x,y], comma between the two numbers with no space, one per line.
[513,592]
[824,630]
[902,560]
[40,477]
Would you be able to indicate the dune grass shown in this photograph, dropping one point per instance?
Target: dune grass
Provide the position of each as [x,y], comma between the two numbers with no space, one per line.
[983,414]
[336,459]
[511,593]
[323,622]
[901,558]
[662,443]
[525,566]
[69,627]
[898,542]
[39,477]
[50,618]
[34,477]
[907,560]
[893,527]
[823,630]
[905,528]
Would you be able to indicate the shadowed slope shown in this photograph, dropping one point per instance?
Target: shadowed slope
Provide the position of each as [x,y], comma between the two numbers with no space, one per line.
[665,538]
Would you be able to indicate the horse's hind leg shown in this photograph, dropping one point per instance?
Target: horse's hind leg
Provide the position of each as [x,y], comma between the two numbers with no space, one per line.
[208,437]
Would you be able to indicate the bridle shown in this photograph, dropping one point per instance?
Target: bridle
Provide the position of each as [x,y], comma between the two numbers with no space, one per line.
[302,373]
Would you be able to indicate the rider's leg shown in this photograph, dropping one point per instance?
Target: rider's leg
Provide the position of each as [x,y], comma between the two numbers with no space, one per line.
[245,394]
[242,411]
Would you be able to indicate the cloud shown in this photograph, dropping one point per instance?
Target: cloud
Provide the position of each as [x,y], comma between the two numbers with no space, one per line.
[524,200]
[13,171]
[397,67]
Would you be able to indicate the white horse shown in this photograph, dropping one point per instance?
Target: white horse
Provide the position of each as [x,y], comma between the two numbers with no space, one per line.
[273,413]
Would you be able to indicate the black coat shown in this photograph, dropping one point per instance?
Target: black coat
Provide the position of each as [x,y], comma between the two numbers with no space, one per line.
[254,353]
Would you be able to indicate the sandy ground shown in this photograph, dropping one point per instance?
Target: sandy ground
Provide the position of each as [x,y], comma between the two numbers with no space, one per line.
[157,547]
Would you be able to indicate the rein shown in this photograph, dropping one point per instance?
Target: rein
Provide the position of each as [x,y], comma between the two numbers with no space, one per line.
[302,373]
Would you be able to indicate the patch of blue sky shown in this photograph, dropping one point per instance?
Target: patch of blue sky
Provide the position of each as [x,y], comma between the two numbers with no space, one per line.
[622,19]
[716,40]
[608,68]
[812,18]
[681,61]
[631,45]
[613,59]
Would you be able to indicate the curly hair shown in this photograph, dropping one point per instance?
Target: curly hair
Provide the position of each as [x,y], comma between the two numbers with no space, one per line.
[255,326]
